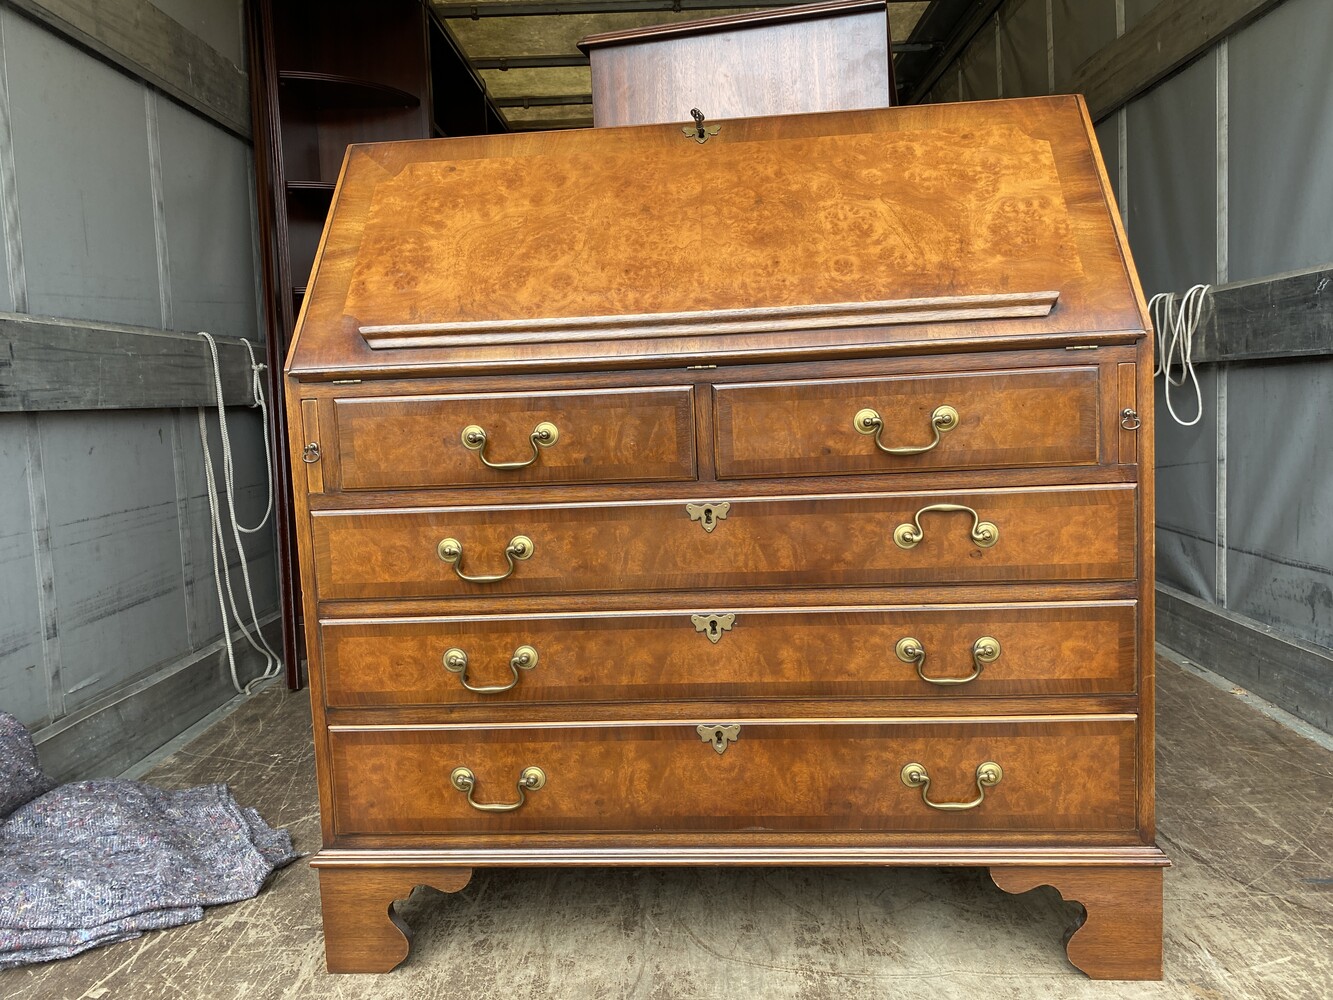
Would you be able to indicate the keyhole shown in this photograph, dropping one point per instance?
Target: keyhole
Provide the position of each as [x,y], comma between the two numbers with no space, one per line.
[708,517]
[712,628]
[718,740]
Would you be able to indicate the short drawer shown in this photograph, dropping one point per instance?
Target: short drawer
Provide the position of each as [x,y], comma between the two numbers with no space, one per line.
[774,776]
[719,653]
[614,435]
[991,420]
[1072,533]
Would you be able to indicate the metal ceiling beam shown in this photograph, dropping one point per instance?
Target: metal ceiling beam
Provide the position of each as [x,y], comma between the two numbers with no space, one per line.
[544,8]
[541,101]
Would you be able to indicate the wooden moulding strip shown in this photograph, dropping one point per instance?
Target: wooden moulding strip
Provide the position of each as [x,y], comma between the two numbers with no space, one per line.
[947,309]
[741,854]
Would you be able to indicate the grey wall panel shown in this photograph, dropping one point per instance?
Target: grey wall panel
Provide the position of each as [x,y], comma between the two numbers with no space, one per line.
[220,23]
[978,63]
[22,675]
[206,200]
[115,541]
[1135,9]
[1187,490]
[1173,180]
[1080,28]
[1280,496]
[947,88]
[1023,49]
[1108,138]
[1281,141]
[85,202]
[9,221]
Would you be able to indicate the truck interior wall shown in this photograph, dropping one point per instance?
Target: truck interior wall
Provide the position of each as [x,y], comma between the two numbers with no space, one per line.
[119,205]
[1221,171]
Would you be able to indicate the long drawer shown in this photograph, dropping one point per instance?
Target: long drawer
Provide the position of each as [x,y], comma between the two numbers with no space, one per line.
[773,777]
[908,423]
[606,435]
[715,653]
[1044,534]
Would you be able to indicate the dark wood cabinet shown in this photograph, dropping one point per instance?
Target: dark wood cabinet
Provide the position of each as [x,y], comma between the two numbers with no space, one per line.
[819,57]
[325,75]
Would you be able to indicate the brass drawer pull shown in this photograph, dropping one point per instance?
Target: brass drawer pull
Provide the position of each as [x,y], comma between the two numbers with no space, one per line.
[868,421]
[988,776]
[543,435]
[520,547]
[455,660]
[530,780]
[906,536]
[984,650]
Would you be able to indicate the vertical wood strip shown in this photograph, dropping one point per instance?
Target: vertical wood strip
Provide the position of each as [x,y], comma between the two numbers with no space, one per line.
[1223,266]
[314,471]
[159,207]
[1129,440]
[1050,46]
[47,607]
[9,195]
[178,451]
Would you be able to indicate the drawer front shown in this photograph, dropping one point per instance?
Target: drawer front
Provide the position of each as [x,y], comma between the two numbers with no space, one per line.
[1069,649]
[1074,775]
[1040,535]
[402,442]
[994,420]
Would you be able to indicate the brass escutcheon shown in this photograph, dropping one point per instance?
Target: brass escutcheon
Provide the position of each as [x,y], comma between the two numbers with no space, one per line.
[908,536]
[713,625]
[698,131]
[708,514]
[720,736]
[868,421]
[455,661]
[543,435]
[988,776]
[450,550]
[530,780]
[984,650]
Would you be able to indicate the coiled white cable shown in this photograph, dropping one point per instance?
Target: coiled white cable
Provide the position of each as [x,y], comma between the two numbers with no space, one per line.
[1179,321]
[221,569]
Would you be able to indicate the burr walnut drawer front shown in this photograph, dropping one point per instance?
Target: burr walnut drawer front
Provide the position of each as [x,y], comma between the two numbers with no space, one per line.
[714,654]
[990,420]
[1043,534]
[720,775]
[614,435]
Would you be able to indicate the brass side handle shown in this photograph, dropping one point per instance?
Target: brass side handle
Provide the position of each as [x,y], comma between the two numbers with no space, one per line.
[907,536]
[543,435]
[530,780]
[455,660]
[520,547]
[988,776]
[984,650]
[868,421]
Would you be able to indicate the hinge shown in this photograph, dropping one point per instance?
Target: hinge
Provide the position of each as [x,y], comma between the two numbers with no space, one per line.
[1082,347]
[692,368]
[346,381]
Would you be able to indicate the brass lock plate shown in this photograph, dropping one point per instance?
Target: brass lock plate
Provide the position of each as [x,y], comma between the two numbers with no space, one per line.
[713,626]
[720,737]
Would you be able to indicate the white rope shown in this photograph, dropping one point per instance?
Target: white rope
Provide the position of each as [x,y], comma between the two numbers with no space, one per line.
[221,569]
[1179,321]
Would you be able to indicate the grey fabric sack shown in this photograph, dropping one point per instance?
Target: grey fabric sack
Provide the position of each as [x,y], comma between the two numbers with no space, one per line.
[21,777]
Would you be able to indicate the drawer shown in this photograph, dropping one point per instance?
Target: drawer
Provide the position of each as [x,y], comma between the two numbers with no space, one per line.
[987,420]
[1042,534]
[613,435]
[776,776]
[881,652]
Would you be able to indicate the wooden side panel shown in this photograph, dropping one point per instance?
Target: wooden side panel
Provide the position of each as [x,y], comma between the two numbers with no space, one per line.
[1064,775]
[1043,534]
[768,653]
[613,435]
[1005,420]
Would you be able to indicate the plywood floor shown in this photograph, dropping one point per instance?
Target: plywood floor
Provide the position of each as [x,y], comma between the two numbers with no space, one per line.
[1246,814]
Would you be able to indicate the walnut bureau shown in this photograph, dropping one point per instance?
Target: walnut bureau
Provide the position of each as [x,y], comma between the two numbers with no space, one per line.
[780,498]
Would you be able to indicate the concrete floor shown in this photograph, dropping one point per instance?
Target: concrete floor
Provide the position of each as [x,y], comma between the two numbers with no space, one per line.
[1244,807]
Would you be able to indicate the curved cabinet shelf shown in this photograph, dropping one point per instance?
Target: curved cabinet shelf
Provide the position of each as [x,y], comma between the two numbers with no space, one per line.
[345,91]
